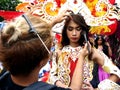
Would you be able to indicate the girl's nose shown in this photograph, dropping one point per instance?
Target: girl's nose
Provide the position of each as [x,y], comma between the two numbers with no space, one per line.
[74,32]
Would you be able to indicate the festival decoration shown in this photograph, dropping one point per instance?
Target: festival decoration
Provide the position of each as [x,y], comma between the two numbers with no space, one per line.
[8,15]
[101,15]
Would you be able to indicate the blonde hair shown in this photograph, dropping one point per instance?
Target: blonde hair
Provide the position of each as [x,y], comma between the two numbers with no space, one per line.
[19,47]
[20,27]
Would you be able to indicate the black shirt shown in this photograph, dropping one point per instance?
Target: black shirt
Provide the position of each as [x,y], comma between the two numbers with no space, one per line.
[6,83]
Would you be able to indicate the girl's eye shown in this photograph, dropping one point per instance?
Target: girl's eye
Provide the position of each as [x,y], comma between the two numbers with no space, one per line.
[78,28]
[70,28]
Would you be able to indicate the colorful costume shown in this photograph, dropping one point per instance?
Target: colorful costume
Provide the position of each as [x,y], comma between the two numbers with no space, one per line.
[108,85]
[64,62]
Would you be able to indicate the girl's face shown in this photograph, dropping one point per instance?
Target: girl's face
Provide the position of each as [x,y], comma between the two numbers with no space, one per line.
[74,33]
[99,41]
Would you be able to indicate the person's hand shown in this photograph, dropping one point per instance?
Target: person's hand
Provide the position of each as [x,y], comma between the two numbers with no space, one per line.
[60,84]
[107,44]
[91,40]
[87,86]
[86,49]
[61,17]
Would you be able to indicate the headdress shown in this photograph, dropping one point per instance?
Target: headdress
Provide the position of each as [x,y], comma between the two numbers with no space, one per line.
[98,13]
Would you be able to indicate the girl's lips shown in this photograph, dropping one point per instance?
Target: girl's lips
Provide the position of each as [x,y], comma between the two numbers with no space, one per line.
[74,38]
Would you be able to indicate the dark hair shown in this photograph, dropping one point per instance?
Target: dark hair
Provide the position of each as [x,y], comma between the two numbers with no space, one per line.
[105,47]
[78,19]
[21,51]
[97,38]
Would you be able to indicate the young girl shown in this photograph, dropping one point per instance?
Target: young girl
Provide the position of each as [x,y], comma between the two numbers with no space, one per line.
[66,57]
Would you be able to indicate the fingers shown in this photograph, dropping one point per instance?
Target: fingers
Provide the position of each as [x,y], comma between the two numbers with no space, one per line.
[88,47]
[62,16]
[65,14]
[88,86]
[84,51]
[87,83]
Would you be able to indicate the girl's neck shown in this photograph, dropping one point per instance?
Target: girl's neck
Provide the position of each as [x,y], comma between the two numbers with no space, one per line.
[100,45]
[74,44]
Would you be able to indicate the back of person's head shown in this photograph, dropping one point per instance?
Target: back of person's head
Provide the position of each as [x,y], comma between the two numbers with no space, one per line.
[21,51]
[78,19]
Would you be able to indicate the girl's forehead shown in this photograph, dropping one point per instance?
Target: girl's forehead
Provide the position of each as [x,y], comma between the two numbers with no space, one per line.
[99,39]
[72,23]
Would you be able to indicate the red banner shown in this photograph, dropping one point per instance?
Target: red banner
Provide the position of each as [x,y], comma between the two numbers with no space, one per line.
[8,15]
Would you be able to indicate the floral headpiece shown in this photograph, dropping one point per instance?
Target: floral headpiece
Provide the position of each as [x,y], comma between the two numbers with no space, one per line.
[98,13]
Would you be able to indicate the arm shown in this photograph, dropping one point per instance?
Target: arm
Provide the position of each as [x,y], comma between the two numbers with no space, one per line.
[61,17]
[76,82]
[97,57]
[88,86]
[109,67]
[53,71]
[106,64]
[108,84]
[109,49]
[104,85]
[78,77]
[114,78]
